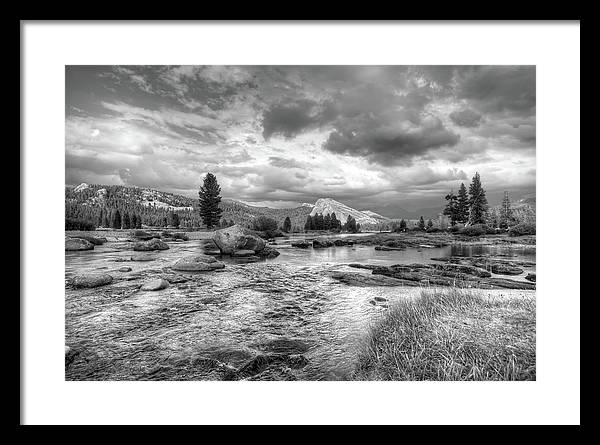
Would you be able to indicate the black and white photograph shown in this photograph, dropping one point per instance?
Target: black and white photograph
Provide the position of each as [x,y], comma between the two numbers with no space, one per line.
[300,222]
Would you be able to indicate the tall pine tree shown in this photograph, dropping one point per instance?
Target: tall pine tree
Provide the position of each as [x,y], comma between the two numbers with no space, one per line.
[478,205]
[462,204]
[116,219]
[126,221]
[210,197]
[308,225]
[287,224]
[505,212]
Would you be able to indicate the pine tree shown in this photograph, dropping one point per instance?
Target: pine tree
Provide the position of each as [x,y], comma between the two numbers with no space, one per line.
[402,225]
[287,224]
[505,212]
[478,205]
[451,210]
[429,224]
[100,218]
[327,222]
[126,221]
[138,224]
[318,221]
[462,204]
[133,221]
[421,223]
[116,219]
[174,219]
[209,201]
[335,223]
[308,225]
[350,225]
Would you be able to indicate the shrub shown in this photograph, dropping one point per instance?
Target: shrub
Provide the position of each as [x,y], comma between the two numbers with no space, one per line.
[264,223]
[416,229]
[523,228]
[79,224]
[453,229]
[474,230]
[433,230]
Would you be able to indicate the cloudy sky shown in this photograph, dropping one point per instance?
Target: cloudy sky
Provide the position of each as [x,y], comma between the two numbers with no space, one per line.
[383,138]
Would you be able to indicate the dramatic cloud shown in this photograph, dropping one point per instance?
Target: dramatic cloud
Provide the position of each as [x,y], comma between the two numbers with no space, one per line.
[382,137]
[466,118]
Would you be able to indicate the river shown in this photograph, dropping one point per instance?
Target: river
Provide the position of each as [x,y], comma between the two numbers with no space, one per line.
[234,314]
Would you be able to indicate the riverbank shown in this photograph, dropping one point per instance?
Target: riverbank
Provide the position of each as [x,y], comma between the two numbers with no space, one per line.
[452,334]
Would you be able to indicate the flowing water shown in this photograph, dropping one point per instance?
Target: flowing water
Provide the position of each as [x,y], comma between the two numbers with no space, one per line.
[234,314]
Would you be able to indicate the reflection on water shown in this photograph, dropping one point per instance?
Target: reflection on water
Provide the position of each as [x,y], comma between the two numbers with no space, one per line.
[291,297]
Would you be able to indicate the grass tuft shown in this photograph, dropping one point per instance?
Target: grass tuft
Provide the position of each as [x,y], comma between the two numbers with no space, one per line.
[451,334]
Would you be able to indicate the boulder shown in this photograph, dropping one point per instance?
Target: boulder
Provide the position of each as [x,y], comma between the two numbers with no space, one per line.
[268,252]
[302,244]
[530,277]
[153,244]
[236,238]
[505,269]
[78,244]
[143,235]
[91,280]
[95,240]
[322,242]
[125,269]
[198,263]
[460,268]
[157,284]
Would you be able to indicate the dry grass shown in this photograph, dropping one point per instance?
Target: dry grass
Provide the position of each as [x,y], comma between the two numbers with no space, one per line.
[452,334]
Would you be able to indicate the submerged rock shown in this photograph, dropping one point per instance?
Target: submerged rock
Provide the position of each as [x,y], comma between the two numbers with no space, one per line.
[362,279]
[78,244]
[70,355]
[237,238]
[283,346]
[143,257]
[242,253]
[269,367]
[153,244]
[157,284]
[387,248]
[125,269]
[198,263]
[91,280]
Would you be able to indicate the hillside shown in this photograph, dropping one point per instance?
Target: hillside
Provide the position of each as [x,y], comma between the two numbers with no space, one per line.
[92,201]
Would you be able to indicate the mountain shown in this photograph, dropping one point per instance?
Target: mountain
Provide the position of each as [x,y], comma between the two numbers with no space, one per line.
[342,211]
[375,215]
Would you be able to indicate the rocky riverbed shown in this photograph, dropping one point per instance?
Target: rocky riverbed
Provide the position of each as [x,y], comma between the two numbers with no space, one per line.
[189,312]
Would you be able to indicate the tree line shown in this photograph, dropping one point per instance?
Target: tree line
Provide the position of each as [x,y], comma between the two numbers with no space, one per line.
[471,207]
